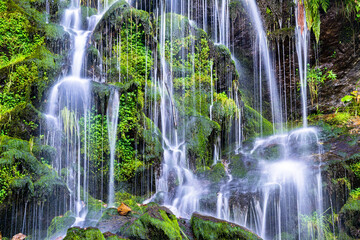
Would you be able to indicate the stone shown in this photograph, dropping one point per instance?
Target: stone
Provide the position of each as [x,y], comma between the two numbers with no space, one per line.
[123,209]
[19,236]
[209,228]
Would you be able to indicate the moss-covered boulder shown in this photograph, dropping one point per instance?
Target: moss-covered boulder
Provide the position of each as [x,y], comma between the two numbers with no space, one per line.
[350,215]
[84,233]
[156,223]
[21,122]
[237,167]
[208,228]
[60,224]
[217,172]
[253,122]
[201,134]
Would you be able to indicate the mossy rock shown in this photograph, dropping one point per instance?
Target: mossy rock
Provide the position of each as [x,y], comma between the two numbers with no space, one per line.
[217,173]
[21,122]
[156,223]
[253,120]
[201,134]
[84,233]
[350,216]
[237,166]
[209,228]
[60,224]
[111,236]
[109,213]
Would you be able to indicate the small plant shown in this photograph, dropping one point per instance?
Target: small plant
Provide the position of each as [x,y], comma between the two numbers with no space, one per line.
[352,100]
[319,226]
[315,78]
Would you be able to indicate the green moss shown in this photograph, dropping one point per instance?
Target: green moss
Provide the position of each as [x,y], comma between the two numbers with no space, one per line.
[130,200]
[155,223]
[22,172]
[217,173]
[21,122]
[109,213]
[88,233]
[209,228]
[350,215]
[153,147]
[237,166]
[253,122]
[60,224]
[201,133]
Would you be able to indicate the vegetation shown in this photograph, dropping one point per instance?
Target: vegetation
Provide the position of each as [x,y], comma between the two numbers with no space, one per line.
[315,78]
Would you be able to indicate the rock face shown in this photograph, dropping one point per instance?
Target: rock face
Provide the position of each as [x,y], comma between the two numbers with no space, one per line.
[209,228]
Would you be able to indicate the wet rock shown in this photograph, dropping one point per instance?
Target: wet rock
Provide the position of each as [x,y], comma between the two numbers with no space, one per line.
[350,216]
[60,224]
[123,209]
[84,233]
[156,223]
[206,227]
[19,236]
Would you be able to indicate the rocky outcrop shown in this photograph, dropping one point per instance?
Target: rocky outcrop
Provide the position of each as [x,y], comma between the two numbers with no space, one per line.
[210,228]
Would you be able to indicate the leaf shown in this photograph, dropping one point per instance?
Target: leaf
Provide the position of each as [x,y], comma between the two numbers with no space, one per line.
[347,99]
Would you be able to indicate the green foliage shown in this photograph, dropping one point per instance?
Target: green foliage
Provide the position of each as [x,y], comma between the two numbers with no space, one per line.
[340,118]
[7,175]
[352,101]
[133,60]
[355,193]
[315,78]
[312,8]
[20,170]
[130,200]
[127,130]
[351,8]
[16,39]
[318,226]
[96,133]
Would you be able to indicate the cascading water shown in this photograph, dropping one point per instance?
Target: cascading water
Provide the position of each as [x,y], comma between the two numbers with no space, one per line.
[184,199]
[112,114]
[301,37]
[278,180]
[276,108]
[69,116]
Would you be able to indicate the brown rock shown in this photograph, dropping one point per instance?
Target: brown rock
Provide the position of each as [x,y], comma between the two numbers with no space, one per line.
[123,210]
[19,236]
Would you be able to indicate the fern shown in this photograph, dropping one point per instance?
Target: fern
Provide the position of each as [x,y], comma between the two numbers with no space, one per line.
[312,8]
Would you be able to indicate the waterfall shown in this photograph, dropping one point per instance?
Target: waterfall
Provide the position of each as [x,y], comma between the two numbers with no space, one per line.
[112,116]
[184,200]
[69,115]
[301,37]
[276,108]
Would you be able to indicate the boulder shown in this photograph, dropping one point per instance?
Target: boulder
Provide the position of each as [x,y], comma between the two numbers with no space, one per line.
[156,223]
[208,228]
[84,233]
